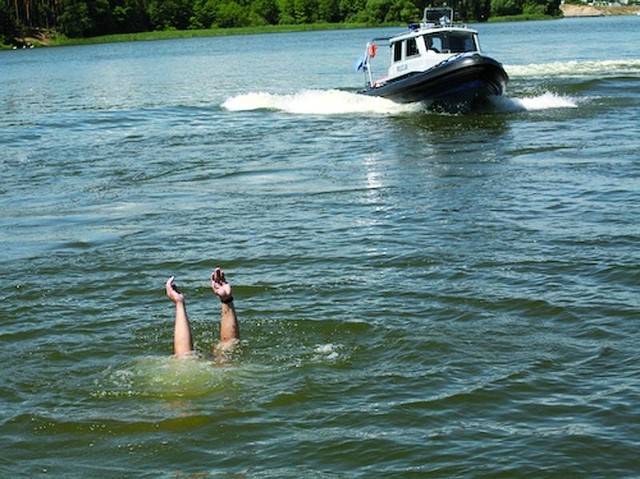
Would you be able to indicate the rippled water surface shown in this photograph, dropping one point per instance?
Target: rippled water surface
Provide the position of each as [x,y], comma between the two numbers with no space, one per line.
[420,295]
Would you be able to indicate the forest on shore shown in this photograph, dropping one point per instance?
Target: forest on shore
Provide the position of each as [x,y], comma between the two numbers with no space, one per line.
[89,18]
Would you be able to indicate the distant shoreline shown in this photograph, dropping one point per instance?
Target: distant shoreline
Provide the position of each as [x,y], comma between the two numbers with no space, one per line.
[570,10]
[51,39]
[46,39]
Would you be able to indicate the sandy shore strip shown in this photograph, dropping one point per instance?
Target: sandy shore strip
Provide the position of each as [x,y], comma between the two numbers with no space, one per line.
[597,11]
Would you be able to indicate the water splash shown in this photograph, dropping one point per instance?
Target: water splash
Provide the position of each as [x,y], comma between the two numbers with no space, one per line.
[327,352]
[335,102]
[546,101]
[317,102]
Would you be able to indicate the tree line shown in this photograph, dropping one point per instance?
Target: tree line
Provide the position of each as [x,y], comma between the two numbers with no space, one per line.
[85,18]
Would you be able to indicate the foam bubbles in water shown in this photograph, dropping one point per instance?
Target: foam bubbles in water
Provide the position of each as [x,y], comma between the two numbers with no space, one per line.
[326,351]
[164,377]
[316,102]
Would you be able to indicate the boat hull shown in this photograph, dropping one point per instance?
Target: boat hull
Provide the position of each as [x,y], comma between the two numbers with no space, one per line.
[455,85]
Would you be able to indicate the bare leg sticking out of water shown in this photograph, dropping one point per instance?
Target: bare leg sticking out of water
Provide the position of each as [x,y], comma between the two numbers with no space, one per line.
[229,330]
[182,339]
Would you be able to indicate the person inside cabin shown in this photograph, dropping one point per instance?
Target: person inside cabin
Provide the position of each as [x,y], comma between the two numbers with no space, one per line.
[412,47]
[229,330]
[428,42]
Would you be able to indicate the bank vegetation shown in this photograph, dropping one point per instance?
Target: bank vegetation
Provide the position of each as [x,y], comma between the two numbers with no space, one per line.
[28,22]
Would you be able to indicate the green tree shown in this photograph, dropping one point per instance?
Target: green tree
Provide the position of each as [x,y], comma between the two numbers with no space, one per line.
[287,15]
[129,16]
[266,9]
[204,13]
[501,8]
[533,8]
[552,7]
[402,11]
[74,20]
[329,11]
[482,10]
[101,15]
[230,15]
[377,10]
[353,10]
[167,14]
[8,24]
[391,11]
[298,12]
[304,11]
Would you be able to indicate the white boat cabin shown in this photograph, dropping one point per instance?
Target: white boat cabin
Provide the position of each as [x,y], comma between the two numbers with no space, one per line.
[424,45]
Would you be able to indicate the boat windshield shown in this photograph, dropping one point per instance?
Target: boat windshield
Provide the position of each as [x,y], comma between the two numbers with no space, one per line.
[451,42]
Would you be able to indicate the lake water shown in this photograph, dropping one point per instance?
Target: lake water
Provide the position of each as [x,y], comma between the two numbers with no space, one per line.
[420,295]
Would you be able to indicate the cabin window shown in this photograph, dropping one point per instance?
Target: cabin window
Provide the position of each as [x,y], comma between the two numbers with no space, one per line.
[451,42]
[434,42]
[397,52]
[412,47]
[409,47]
[461,43]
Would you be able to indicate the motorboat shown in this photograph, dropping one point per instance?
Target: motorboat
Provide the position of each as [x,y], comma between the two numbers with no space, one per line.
[434,62]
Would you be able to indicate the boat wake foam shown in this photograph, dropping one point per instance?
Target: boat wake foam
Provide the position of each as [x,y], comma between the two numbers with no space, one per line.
[572,69]
[546,101]
[317,102]
[337,102]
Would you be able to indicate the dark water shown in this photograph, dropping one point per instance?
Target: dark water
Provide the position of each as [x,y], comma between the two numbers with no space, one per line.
[420,295]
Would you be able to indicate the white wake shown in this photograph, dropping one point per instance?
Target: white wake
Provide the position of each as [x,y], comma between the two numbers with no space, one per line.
[317,102]
[546,101]
[336,102]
